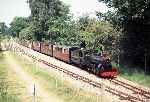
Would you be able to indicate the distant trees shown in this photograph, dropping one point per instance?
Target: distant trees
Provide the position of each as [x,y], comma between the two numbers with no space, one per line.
[17,25]
[27,33]
[46,16]
[123,31]
[50,21]
[3,28]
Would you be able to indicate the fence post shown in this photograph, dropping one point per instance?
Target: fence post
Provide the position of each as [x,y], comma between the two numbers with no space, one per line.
[34,93]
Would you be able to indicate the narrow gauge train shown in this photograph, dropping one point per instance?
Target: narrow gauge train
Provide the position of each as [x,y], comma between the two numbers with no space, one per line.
[98,64]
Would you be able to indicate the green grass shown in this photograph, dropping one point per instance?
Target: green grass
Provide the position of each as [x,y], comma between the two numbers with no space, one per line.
[5,94]
[135,74]
[57,86]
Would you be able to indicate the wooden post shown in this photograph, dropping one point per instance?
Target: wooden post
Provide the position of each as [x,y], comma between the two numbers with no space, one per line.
[34,93]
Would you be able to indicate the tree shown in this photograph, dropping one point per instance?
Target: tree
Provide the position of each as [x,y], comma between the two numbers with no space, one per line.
[43,10]
[17,25]
[98,34]
[28,33]
[135,18]
[63,32]
[112,17]
[3,28]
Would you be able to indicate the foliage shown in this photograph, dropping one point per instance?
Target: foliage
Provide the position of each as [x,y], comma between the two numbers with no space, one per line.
[51,22]
[26,33]
[6,92]
[83,22]
[129,8]
[3,28]
[63,32]
[42,11]
[17,25]
[112,17]
[32,32]
[98,35]
[135,18]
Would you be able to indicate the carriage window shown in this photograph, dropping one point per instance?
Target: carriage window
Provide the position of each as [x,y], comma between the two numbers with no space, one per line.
[75,53]
[56,48]
[60,49]
[80,53]
[65,50]
[38,44]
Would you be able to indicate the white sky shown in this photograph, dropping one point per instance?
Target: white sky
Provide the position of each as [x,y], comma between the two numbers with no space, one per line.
[11,8]
[80,7]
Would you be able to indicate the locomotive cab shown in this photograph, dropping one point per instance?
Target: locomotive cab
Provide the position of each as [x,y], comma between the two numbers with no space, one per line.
[99,64]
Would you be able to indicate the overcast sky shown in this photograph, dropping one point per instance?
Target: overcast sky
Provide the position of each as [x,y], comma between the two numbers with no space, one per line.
[80,7]
[11,8]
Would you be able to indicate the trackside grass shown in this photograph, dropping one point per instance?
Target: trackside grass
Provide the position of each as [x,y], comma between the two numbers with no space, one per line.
[135,74]
[56,86]
[7,92]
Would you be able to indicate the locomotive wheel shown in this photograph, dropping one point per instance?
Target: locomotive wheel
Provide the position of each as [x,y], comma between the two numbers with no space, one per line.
[102,69]
[95,70]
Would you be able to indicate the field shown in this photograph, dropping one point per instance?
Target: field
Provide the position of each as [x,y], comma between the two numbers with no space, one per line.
[7,85]
[57,86]
[15,72]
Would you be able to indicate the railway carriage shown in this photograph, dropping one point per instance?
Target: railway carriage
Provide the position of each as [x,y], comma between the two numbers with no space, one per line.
[89,60]
[25,43]
[36,46]
[61,53]
[46,48]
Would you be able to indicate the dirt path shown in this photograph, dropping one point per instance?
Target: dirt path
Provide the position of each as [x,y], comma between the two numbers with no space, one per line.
[41,95]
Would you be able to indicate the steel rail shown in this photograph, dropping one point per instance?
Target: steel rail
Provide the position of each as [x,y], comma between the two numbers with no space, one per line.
[114,91]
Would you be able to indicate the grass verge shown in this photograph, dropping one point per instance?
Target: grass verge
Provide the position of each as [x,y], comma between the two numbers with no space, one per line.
[56,86]
[7,93]
[135,74]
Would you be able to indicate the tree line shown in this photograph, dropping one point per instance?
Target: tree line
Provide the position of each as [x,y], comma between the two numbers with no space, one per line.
[132,16]
[50,21]
[123,31]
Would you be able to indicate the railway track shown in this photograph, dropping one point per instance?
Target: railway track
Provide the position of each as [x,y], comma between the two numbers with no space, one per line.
[136,90]
[134,94]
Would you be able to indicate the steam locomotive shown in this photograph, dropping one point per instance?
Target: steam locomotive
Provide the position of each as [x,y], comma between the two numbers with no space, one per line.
[89,60]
